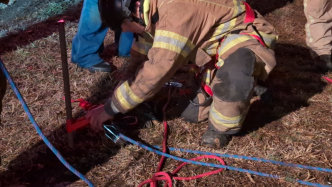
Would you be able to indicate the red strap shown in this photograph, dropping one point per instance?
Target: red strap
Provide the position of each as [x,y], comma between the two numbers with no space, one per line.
[327,79]
[84,104]
[250,17]
[74,124]
[250,14]
[200,175]
[207,89]
[257,38]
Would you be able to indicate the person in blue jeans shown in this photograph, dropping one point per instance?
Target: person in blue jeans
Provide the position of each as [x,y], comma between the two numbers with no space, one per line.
[89,39]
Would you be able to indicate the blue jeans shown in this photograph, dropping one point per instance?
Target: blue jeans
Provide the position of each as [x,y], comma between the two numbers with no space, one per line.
[89,39]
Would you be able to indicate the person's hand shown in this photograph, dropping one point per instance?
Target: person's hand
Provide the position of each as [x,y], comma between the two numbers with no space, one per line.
[97,117]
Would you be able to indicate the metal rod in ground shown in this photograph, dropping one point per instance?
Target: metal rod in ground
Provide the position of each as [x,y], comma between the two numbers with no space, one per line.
[65,74]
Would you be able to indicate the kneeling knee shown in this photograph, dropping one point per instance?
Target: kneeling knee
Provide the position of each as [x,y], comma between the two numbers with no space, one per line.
[235,76]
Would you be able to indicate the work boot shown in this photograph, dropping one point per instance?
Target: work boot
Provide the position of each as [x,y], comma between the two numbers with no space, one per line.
[214,138]
[191,112]
[101,67]
[324,63]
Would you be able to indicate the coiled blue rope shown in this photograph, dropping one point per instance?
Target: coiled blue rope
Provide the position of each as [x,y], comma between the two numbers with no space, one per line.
[215,165]
[40,133]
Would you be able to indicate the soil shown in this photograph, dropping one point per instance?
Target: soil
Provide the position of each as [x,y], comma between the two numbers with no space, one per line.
[293,125]
[20,14]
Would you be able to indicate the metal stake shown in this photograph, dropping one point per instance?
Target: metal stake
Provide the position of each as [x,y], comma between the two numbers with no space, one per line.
[65,74]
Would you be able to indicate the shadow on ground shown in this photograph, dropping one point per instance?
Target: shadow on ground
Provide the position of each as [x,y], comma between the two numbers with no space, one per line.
[291,84]
[266,6]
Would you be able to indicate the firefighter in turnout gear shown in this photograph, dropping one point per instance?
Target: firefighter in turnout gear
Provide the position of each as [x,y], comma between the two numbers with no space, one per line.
[229,42]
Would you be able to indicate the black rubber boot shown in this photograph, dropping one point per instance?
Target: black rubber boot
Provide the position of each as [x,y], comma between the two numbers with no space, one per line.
[324,63]
[214,138]
[190,113]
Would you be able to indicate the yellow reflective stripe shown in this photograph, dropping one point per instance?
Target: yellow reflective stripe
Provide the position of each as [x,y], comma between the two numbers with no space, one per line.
[169,47]
[231,41]
[235,13]
[238,6]
[211,52]
[208,76]
[212,49]
[219,119]
[175,36]
[146,9]
[114,108]
[126,96]
[131,94]
[220,62]
[220,31]
[268,39]
[173,42]
[123,102]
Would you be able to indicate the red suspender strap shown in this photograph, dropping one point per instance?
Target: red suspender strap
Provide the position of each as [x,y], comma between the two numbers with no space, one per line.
[250,17]
[257,38]
[250,14]
[207,89]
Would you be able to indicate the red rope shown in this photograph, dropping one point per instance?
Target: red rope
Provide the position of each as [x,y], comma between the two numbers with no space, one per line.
[161,162]
[200,175]
[167,177]
[327,79]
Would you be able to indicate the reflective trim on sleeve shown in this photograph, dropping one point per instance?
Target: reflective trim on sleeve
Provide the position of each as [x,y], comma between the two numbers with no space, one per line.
[220,31]
[116,110]
[173,42]
[220,63]
[207,76]
[239,8]
[219,119]
[212,49]
[126,96]
[231,41]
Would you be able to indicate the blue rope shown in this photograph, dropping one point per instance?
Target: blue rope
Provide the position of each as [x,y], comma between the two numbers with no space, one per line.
[40,133]
[250,158]
[215,165]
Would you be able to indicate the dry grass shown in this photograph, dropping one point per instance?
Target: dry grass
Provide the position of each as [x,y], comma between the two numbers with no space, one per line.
[295,127]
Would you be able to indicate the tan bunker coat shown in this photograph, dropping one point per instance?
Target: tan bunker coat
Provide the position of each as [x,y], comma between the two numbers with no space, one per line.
[319,25]
[195,31]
